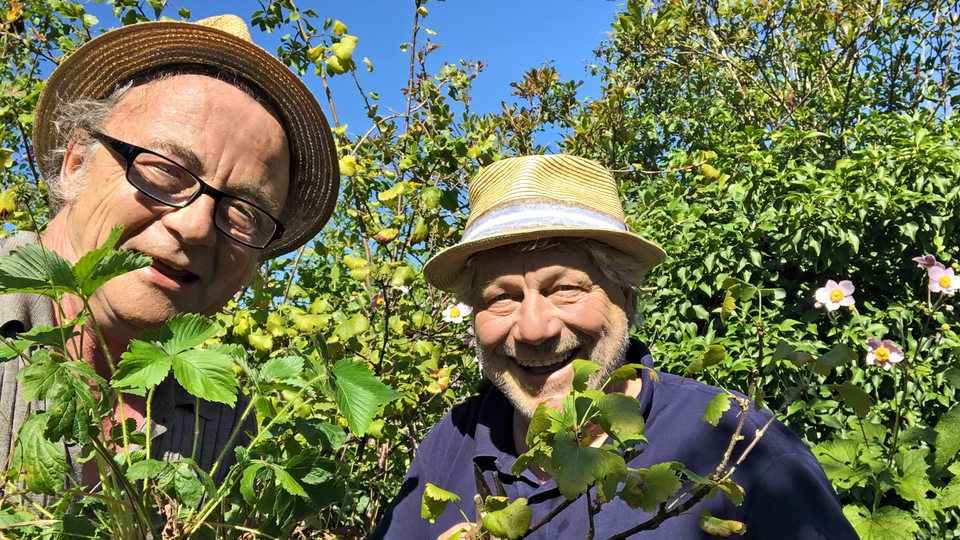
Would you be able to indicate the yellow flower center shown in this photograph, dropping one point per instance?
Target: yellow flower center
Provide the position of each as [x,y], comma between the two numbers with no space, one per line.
[836,295]
[454,312]
[945,281]
[882,354]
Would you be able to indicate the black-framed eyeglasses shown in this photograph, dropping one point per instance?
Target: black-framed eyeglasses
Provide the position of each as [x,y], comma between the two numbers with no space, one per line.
[170,183]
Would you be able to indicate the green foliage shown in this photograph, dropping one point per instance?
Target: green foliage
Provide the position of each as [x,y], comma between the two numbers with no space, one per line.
[766,146]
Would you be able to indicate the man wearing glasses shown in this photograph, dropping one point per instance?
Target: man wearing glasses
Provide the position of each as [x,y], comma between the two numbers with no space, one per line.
[212,156]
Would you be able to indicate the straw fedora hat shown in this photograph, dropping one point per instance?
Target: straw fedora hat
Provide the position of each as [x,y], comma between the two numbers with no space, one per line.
[221,43]
[544,196]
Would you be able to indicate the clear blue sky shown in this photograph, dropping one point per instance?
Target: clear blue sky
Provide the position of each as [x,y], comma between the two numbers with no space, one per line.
[509,36]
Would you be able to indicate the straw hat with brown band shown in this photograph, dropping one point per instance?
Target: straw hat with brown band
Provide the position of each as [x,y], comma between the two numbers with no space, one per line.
[221,43]
[532,197]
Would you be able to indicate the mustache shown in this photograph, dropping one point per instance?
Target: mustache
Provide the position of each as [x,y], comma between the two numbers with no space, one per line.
[550,347]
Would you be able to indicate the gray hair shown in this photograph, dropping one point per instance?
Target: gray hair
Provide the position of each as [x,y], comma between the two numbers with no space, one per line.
[81,116]
[624,271]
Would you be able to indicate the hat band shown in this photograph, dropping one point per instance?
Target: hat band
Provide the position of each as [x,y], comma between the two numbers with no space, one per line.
[523,217]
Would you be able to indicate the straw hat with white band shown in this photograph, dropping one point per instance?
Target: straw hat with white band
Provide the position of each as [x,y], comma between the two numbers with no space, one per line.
[223,44]
[532,197]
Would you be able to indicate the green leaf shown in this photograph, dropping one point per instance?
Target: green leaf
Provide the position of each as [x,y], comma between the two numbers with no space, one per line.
[576,468]
[435,501]
[837,356]
[148,468]
[36,269]
[104,263]
[582,370]
[619,416]
[356,324]
[207,374]
[626,372]
[652,487]
[887,523]
[359,394]
[851,395]
[721,527]
[41,460]
[911,478]
[188,330]
[247,481]
[188,486]
[715,409]
[288,482]
[506,519]
[948,437]
[283,369]
[712,355]
[733,491]
[42,336]
[143,366]
[38,379]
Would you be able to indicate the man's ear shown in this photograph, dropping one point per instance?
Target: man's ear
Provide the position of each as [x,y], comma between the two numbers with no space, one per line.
[73,159]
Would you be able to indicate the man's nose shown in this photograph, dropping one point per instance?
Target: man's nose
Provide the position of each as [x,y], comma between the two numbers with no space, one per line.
[193,224]
[536,320]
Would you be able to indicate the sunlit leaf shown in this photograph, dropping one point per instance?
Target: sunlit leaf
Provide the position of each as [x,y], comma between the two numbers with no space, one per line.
[359,394]
[505,518]
[42,461]
[948,437]
[721,527]
[715,409]
[576,468]
[207,374]
[435,501]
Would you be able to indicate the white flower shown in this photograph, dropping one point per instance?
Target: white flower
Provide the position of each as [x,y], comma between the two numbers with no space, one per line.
[833,295]
[455,314]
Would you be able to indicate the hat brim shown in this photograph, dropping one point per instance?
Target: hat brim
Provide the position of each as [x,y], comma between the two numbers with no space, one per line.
[442,269]
[98,67]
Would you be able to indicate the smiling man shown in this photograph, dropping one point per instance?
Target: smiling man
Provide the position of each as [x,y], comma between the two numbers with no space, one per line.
[212,156]
[552,272]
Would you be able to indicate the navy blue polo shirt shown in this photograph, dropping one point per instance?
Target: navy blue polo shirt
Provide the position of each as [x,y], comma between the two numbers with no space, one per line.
[788,495]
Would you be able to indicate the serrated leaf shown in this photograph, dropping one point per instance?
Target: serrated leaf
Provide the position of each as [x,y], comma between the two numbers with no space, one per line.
[710,356]
[582,370]
[143,366]
[247,481]
[434,502]
[910,477]
[948,437]
[148,468]
[715,409]
[104,263]
[188,330]
[41,461]
[652,486]
[359,394]
[626,372]
[356,324]
[288,482]
[576,468]
[619,416]
[506,519]
[37,380]
[35,269]
[283,369]
[887,523]
[188,486]
[41,336]
[207,374]
[858,400]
